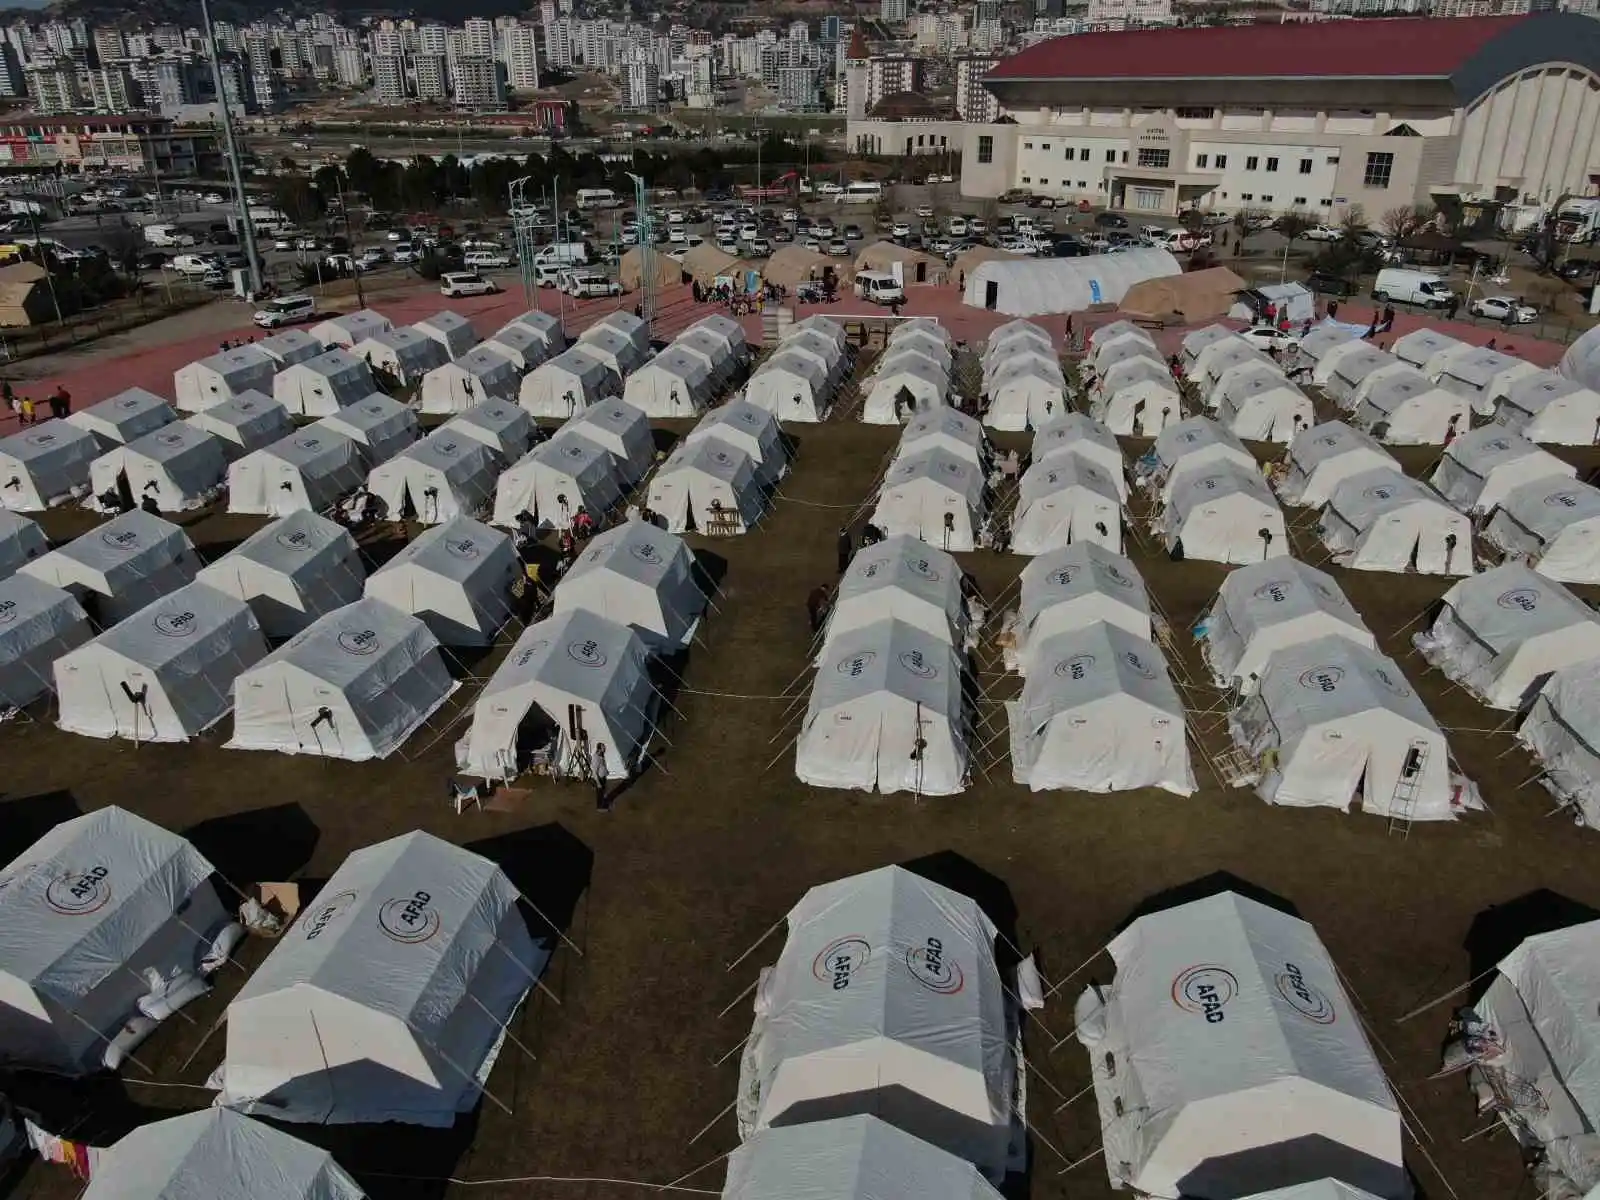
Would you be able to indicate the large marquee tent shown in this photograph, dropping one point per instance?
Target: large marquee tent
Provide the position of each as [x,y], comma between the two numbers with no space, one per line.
[1029,287]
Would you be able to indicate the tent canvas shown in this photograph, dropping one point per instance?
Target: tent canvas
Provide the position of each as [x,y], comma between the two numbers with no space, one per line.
[1483,377]
[45,465]
[456,578]
[482,373]
[1226,514]
[501,425]
[1357,371]
[1099,713]
[165,674]
[622,431]
[1480,468]
[346,329]
[934,496]
[1195,343]
[354,684]
[1552,525]
[902,579]
[1137,399]
[712,351]
[1263,608]
[567,384]
[575,659]
[1225,357]
[944,429]
[221,377]
[1068,589]
[246,423]
[557,479]
[861,1015]
[791,385]
[1064,500]
[39,622]
[1023,331]
[1403,408]
[178,466]
[117,569]
[913,266]
[1545,407]
[311,469]
[1263,406]
[639,576]
[619,352]
[1343,724]
[625,323]
[290,347]
[451,331]
[1075,433]
[1428,350]
[85,911]
[1235,1072]
[664,271]
[20,540]
[440,477]
[751,429]
[1383,521]
[908,372]
[1025,394]
[1325,359]
[545,326]
[124,417]
[708,485]
[1324,456]
[521,345]
[1562,731]
[321,386]
[372,1008]
[290,572]
[674,383]
[405,353]
[1503,633]
[1193,445]
[816,345]
[1025,287]
[380,427]
[1108,354]
[915,326]
[1192,297]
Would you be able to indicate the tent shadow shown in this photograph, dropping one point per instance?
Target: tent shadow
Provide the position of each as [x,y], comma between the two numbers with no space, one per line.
[993,895]
[1501,928]
[393,1161]
[1203,888]
[664,440]
[97,1109]
[550,866]
[26,819]
[709,570]
[260,845]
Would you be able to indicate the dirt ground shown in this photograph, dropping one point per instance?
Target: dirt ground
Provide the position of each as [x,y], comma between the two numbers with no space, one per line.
[626,1076]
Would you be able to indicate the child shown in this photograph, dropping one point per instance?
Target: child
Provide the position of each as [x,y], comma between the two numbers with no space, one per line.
[27,411]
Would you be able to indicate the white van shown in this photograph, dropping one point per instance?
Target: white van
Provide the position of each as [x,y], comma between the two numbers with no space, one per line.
[1407,286]
[285,311]
[562,254]
[879,287]
[167,235]
[192,264]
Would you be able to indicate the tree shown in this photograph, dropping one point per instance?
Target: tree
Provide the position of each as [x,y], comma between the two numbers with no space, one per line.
[1192,219]
[1354,223]
[1405,220]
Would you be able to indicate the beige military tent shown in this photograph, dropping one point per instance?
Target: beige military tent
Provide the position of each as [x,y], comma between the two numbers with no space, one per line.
[794,265]
[705,263]
[1187,299]
[915,266]
[664,271]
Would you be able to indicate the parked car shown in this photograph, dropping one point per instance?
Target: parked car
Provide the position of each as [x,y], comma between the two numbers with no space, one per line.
[584,286]
[760,247]
[404,253]
[1498,308]
[1323,233]
[900,229]
[852,233]
[1110,220]
[193,264]
[286,310]
[466,283]
[839,248]
[924,210]
[957,227]
[727,246]
[1269,337]
[1325,283]
[487,259]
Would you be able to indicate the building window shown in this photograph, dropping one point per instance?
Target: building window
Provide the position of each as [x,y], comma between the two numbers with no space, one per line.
[919,139]
[1251,163]
[1247,195]
[1305,166]
[1124,156]
[1194,114]
[1379,168]
[1027,145]
[1222,161]
[1200,161]
[1081,185]
[1299,201]
[1026,179]
[1111,156]
[1069,154]
[1159,159]
[1272,164]
[986,149]
[1325,203]
[943,140]
[1266,199]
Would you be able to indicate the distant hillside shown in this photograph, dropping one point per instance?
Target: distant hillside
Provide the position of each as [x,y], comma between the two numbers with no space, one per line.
[187,12]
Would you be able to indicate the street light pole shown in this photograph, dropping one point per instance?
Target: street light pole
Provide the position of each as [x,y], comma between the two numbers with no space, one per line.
[349,237]
[247,230]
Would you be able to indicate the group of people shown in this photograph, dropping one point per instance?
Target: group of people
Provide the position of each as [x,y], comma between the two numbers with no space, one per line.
[27,411]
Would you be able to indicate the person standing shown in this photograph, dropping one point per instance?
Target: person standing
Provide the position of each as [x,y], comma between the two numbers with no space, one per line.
[845,548]
[817,606]
[60,402]
[1333,309]
[600,802]
[27,411]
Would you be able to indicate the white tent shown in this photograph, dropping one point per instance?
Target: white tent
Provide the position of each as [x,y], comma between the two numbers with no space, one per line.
[1108,353]
[827,327]
[1356,371]
[290,572]
[1197,367]
[1194,344]
[728,331]
[1341,723]
[1503,633]
[220,1155]
[621,430]
[117,569]
[619,352]
[501,425]
[312,469]
[638,576]
[347,329]
[817,345]
[1483,377]
[1137,399]
[848,1158]
[907,372]
[909,326]
[934,496]
[906,580]
[575,660]
[1325,362]
[1290,301]
[480,374]
[1024,287]
[555,480]
[404,353]
[455,577]
[1024,394]
[1064,500]
[124,417]
[945,429]
[567,384]
[545,326]
[791,385]
[164,674]
[323,385]
[712,351]
[1531,1044]
[625,323]
[1225,358]
[1195,445]
[1077,434]
[1226,514]
[453,332]
[20,540]
[1324,456]
[1261,405]
[708,485]
[747,427]
[521,345]
[39,622]
[1228,1060]
[85,912]
[1069,589]
[1562,731]
[1001,334]
[1553,525]
[246,423]
[211,381]
[388,1000]
[931,343]
[1262,608]
[290,347]
[444,475]
[1099,713]
[674,383]
[886,1001]
[45,465]
[354,684]
[1383,521]
[1403,409]
[179,466]
[1545,407]
[1428,350]
[1479,468]
[1317,348]
[380,427]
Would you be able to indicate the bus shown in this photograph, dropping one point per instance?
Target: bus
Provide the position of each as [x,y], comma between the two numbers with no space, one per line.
[598,198]
[860,193]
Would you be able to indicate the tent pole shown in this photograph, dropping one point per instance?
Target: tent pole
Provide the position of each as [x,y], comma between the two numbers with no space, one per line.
[754,946]
[505,1029]
[712,1123]
[752,987]
[566,941]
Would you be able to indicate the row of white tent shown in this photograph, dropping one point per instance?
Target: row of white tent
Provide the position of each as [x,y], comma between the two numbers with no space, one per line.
[1022,378]
[1213,503]
[1250,393]
[936,487]
[1132,390]
[718,478]
[595,459]
[799,380]
[914,370]
[696,367]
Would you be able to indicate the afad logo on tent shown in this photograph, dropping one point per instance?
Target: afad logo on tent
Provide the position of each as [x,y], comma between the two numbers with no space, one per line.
[329,911]
[1205,990]
[411,919]
[79,893]
[840,959]
[933,969]
[1306,1000]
